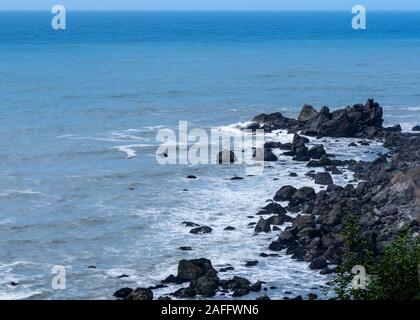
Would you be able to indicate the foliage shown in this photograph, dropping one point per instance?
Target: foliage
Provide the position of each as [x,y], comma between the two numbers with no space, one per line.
[391,276]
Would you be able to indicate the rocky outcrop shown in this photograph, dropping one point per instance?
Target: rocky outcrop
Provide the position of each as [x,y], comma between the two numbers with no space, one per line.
[360,120]
[385,202]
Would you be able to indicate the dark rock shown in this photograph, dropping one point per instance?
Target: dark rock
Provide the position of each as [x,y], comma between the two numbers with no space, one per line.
[226,157]
[225,269]
[416,128]
[395,128]
[293,174]
[285,193]
[323,178]
[141,294]
[189,270]
[236,178]
[185,248]
[123,276]
[256,286]
[262,226]
[190,224]
[164,298]
[298,298]
[229,228]
[353,144]
[237,283]
[185,293]
[303,195]
[324,162]
[317,151]
[264,155]
[191,177]
[312,296]
[251,263]
[307,113]
[206,285]
[318,264]
[263,297]
[122,293]
[92,267]
[272,208]
[201,230]
[240,292]
[334,170]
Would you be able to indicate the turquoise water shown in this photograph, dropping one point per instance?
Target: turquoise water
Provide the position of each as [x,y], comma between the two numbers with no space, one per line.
[75,104]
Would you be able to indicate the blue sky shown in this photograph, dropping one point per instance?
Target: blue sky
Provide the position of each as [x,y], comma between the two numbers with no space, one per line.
[212,4]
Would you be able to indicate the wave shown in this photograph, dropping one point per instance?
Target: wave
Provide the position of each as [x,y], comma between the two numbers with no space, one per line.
[130,149]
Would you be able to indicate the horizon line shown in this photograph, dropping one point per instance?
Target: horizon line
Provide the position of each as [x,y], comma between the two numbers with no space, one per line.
[208,10]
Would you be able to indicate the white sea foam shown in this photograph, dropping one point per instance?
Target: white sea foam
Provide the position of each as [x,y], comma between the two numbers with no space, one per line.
[130,149]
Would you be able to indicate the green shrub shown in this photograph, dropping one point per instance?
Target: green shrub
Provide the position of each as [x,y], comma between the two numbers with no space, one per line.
[391,276]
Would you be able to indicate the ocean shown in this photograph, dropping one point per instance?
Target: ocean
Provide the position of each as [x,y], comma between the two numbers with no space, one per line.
[80,109]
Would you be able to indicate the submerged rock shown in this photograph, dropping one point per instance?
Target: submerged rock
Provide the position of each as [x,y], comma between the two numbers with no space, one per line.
[201,230]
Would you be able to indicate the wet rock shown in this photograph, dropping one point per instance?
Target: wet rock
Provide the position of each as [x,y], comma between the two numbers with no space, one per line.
[312,296]
[293,174]
[225,269]
[303,195]
[285,193]
[395,128]
[236,178]
[240,292]
[318,264]
[324,162]
[141,294]
[256,286]
[264,155]
[334,170]
[272,208]
[263,297]
[317,151]
[226,157]
[191,177]
[164,298]
[185,293]
[237,283]
[123,293]
[201,230]
[353,144]
[185,248]
[229,228]
[251,263]
[262,226]
[189,270]
[323,178]
[416,128]
[123,276]
[207,285]
[190,224]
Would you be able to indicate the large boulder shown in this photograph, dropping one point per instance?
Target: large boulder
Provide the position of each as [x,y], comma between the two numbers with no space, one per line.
[262,226]
[285,193]
[323,178]
[307,113]
[189,270]
[317,151]
[206,285]
[303,195]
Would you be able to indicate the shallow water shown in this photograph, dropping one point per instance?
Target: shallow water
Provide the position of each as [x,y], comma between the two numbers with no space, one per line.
[79,113]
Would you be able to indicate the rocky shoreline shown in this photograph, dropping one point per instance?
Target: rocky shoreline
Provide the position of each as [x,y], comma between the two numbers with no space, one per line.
[386,198]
